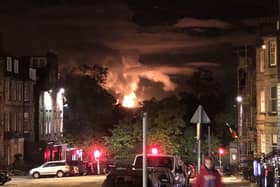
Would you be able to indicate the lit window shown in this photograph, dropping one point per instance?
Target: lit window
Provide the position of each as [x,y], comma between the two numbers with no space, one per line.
[274,139]
[47,101]
[16,62]
[262,93]
[272,53]
[262,59]
[32,74]
[273,99]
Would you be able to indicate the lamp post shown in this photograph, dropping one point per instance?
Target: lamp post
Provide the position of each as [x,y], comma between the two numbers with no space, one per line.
[239,100]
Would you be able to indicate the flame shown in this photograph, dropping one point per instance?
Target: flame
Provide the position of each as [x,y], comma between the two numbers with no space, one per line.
[129,101]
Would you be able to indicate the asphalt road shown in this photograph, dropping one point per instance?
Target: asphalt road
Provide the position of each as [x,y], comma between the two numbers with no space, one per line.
[92,181]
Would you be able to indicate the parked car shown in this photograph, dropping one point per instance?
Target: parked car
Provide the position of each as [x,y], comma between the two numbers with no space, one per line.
[177,167]
[4,177]
[57,168]
[125,177]
[78,167]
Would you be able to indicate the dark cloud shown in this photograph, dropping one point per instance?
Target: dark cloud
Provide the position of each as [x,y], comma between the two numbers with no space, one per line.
[202,23]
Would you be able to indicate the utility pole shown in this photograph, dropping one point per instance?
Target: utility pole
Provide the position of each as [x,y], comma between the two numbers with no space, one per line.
[145,150]
[209,140]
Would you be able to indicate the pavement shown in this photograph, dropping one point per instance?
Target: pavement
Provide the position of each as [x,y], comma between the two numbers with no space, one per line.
[96,181]
[234,181]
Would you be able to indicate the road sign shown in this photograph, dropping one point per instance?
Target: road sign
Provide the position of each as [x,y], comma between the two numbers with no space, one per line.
[200,116]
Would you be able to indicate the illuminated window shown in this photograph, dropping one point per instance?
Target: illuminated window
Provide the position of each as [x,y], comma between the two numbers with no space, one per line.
[16,69]
[273,99]
[272,53]
[262,99]
[32,74]
[274,139]
[262,61]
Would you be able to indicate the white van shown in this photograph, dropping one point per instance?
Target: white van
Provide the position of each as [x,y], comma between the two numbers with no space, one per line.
[58,168]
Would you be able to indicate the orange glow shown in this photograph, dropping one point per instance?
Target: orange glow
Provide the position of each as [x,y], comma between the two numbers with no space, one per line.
[129,101]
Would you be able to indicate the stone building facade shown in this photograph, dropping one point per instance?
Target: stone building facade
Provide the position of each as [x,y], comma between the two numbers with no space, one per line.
[16,107]
[267,89]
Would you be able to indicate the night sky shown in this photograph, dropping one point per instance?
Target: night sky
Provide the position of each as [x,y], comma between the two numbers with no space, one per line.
[148,46]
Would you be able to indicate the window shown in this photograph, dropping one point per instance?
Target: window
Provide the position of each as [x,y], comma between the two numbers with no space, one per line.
[26,94]
[262,61]
[19,91]
[274,139]
[7,121]
[7,90]
[16,65]
[262,99]
[14,121]
[272,53]
[9,64]
[32,74]
[19,122]
[273,99]
[35,62]
[14,90]
[26,116]
[38,62]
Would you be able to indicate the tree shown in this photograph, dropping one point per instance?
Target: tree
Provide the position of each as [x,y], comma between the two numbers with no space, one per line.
[90,106]
[125,136]
[165,129]
[188,145]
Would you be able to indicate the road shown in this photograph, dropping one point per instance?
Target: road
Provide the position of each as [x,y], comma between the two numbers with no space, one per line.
[83,181]
[91,181]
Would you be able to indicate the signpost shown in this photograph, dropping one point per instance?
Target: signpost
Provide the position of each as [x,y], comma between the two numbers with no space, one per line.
[145,150]
[199,117]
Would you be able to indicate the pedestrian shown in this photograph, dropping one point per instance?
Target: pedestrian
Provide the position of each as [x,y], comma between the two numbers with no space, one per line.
[208,176]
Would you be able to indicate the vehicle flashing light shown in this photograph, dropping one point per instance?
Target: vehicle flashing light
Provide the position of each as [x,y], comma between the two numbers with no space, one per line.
[154,151]
[97,154]
[221,151]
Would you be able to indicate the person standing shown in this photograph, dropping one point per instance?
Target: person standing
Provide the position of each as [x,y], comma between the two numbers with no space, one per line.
[208,176]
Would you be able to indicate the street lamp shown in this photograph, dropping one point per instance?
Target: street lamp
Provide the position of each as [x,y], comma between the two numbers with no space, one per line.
[239,99]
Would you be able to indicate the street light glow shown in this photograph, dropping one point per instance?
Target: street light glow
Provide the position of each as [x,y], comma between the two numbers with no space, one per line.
[239,99]
[61,90]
